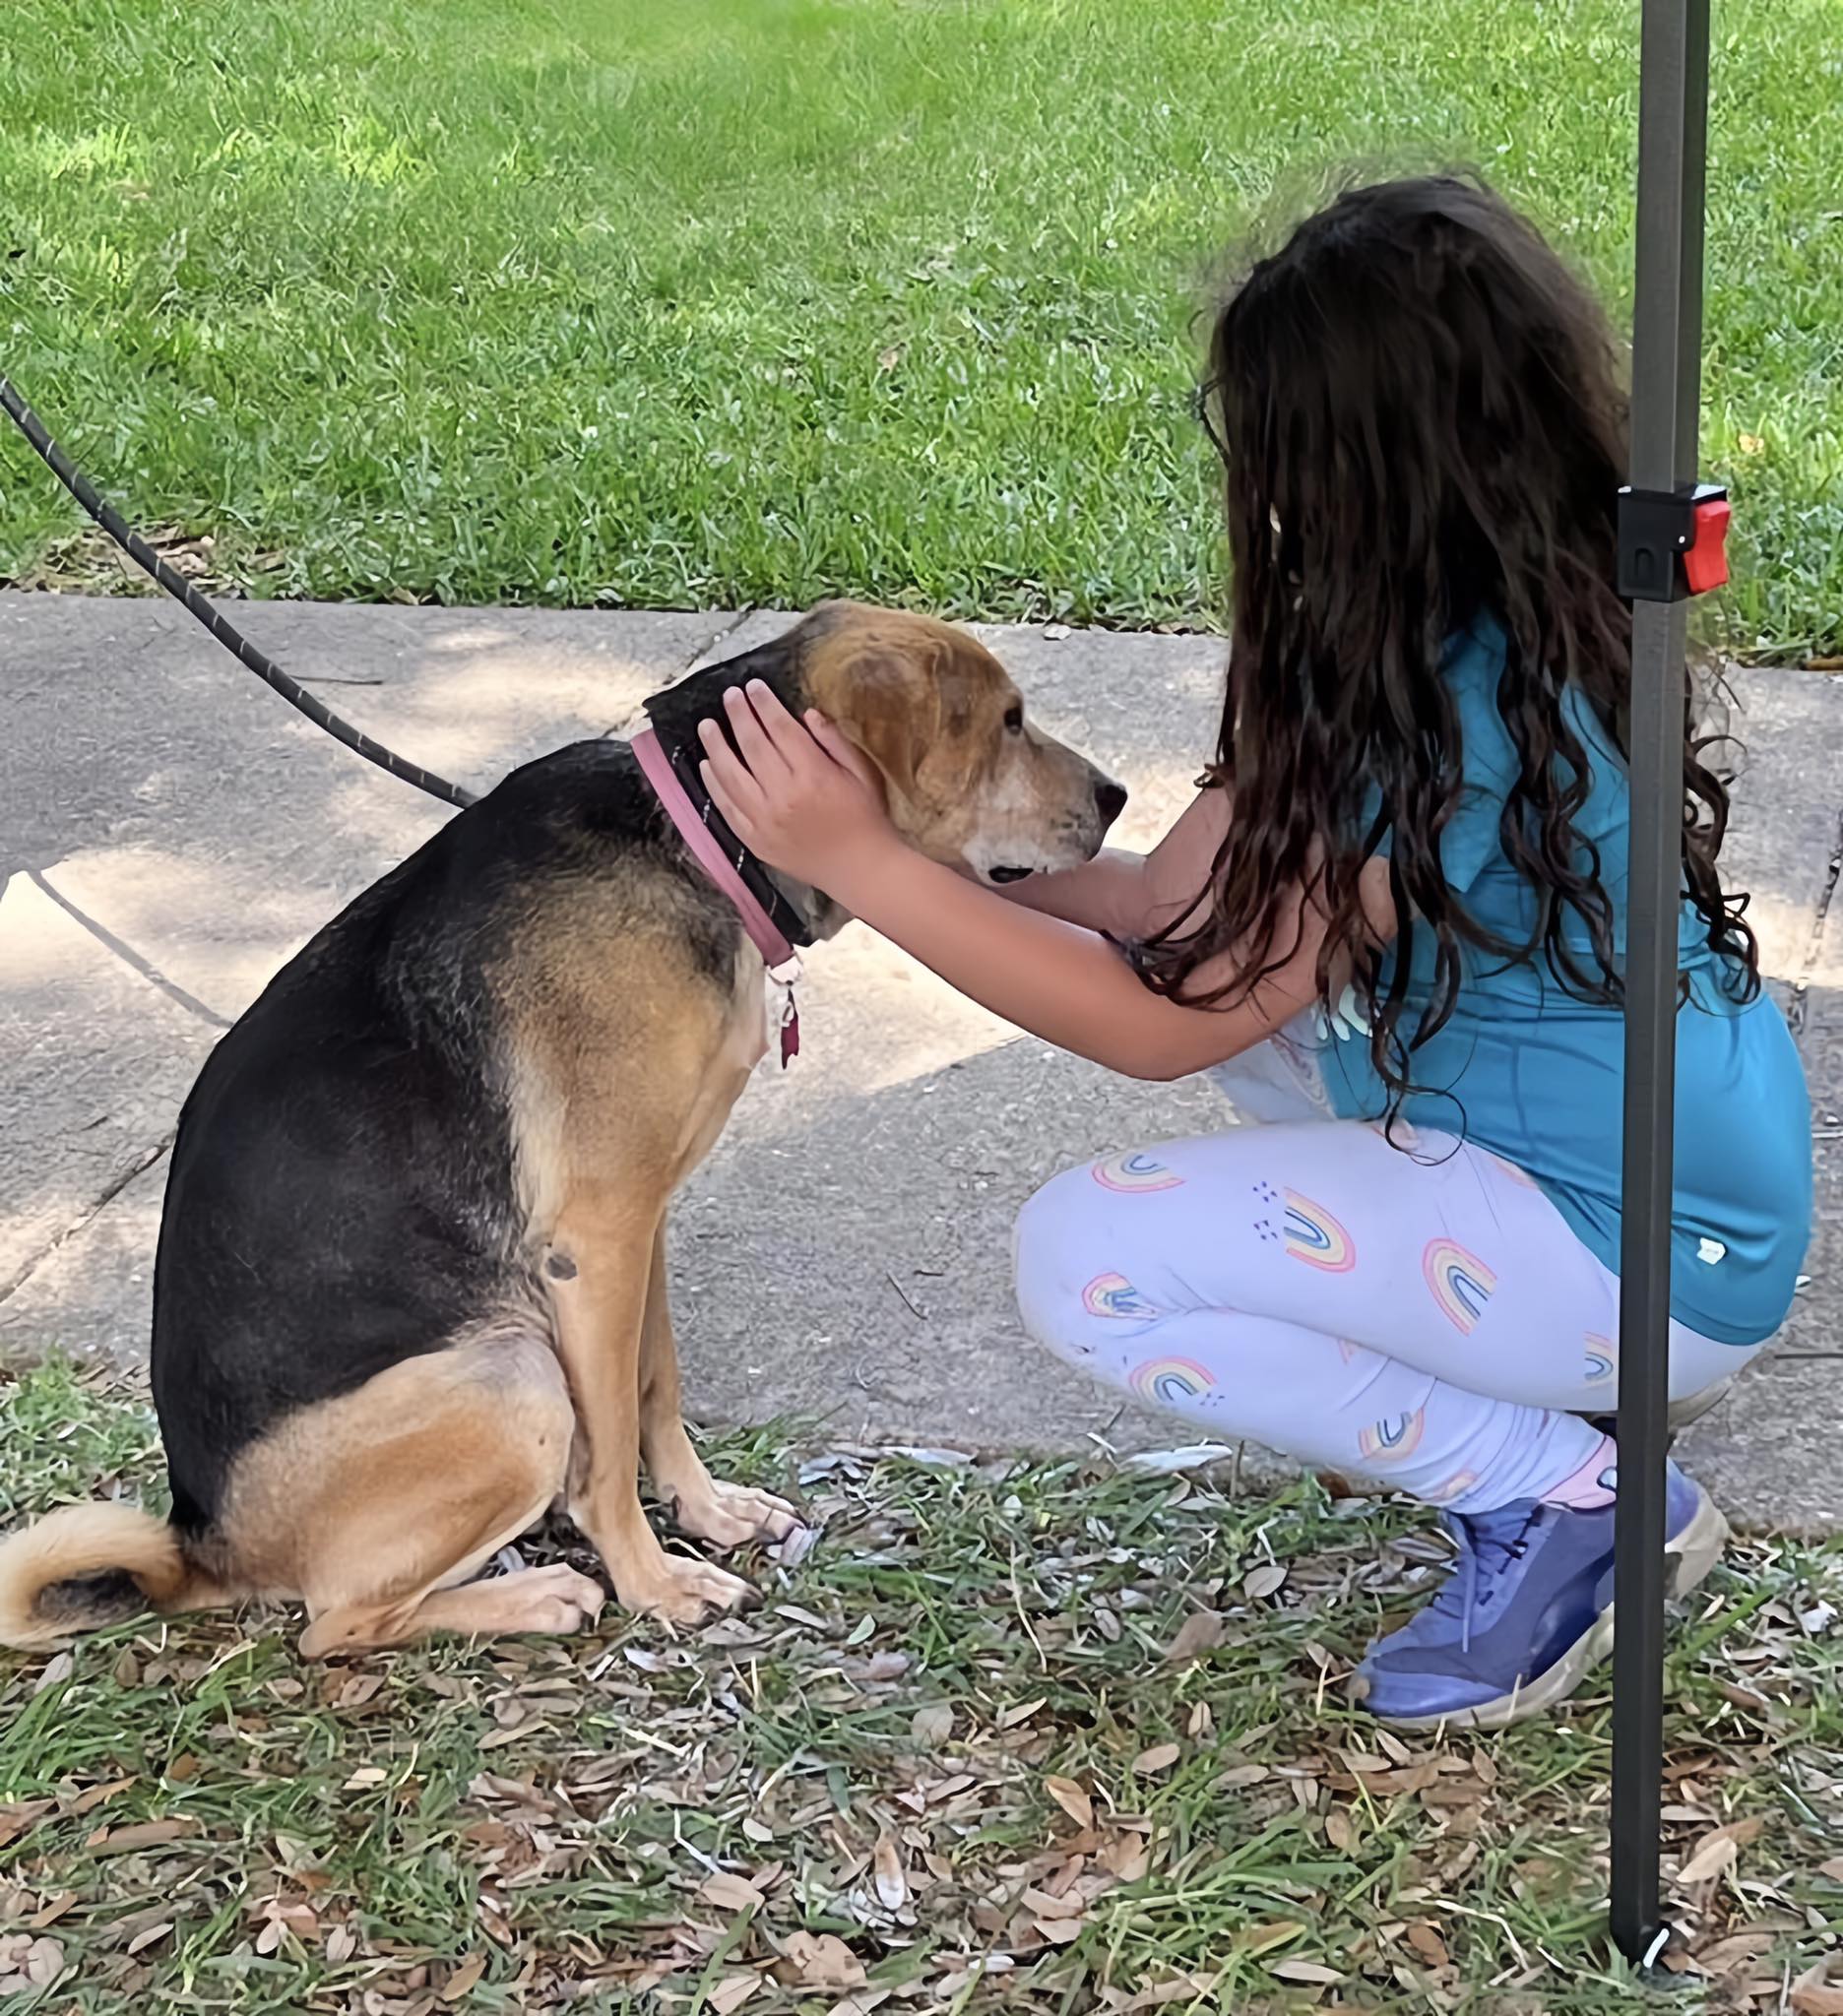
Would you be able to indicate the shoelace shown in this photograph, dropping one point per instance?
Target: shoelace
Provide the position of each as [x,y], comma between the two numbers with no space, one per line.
[1487,1544]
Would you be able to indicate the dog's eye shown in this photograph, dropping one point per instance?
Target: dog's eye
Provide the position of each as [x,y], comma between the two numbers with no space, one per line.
[1014,718]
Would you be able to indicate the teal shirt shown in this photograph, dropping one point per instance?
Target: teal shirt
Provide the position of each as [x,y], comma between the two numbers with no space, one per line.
[1533,1073]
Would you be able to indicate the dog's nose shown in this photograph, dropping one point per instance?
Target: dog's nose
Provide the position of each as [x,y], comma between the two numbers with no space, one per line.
[1111,798]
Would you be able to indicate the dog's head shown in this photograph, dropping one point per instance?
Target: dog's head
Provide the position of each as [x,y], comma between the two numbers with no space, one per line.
[968,779]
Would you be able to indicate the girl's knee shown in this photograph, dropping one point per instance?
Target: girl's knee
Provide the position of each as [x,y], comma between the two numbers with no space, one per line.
[1083,1252]
[1051,1231]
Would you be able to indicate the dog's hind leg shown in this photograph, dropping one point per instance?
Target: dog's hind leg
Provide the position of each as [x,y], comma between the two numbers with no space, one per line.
[376,1505]
[609,1237]
[726,1515]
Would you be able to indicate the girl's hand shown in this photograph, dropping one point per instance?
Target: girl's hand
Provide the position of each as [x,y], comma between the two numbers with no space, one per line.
[801,798]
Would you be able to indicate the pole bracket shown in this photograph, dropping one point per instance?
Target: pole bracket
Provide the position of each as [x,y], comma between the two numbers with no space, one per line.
[1672,543]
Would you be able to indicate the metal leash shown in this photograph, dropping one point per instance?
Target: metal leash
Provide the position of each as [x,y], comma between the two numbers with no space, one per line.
[232,639]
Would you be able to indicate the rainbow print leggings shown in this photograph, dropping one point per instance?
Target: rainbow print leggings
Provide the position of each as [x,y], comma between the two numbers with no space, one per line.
[1424,1321]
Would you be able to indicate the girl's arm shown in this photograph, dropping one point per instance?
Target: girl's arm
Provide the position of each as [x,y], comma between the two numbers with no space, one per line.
[806,803]
[1131,894]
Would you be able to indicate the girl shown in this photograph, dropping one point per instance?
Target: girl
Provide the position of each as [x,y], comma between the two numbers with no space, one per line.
[1393,921]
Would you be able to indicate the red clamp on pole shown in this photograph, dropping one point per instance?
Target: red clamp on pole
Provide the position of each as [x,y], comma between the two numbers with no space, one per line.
[1705,564]
[1672,543]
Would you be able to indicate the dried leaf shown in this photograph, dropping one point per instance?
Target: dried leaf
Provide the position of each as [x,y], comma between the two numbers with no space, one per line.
[1011,1717]
[1815,1996]
[1160,1757]
[19,1817]
[57,1670]
[1735,1953]
[142,1834]
[1200,1632]
[1127,1856]
[27,1963]
[152,1936]
[1072,1799]
[342,1942]
[1265,1581]
[1340,1830]
[461,1980]
[1046,1904]
[100,1794]
[822,1961]
[1305,1971]
[1715,1856]
[892,1887]
[862,2004]
[730,1893]
[1832,1870]
[798,1543]
[934,1723]
[732,1992]
[1719,1850]
[1427,1942]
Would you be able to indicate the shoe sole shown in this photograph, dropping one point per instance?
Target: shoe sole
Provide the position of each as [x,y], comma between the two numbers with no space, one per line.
[1688,1560]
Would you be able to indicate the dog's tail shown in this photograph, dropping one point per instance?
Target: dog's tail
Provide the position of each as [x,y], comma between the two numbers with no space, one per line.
[84,1566]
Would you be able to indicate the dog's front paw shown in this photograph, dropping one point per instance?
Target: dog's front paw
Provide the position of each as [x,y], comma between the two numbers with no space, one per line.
[686,1592]
[733,1515]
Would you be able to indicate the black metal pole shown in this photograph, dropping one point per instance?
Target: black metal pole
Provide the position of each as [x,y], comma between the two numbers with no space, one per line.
[1667,335]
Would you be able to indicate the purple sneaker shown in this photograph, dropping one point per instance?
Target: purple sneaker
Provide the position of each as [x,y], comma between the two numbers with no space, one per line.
[1525,1612]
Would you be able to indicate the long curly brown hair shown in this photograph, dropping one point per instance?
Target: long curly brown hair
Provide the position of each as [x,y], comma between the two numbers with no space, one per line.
[1422,422]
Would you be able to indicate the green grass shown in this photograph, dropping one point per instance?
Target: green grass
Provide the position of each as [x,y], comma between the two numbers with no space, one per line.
[951,1765]
[734,301]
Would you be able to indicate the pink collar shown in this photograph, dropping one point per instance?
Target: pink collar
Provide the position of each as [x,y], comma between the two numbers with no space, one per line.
[778,952]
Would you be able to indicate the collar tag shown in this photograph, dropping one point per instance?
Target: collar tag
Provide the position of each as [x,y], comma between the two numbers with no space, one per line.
[790,1029]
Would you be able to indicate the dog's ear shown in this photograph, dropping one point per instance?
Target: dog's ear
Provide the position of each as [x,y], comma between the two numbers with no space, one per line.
[884,691]
[892,712]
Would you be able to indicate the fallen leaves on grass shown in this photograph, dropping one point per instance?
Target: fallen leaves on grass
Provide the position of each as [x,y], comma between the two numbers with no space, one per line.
[1200,1632]
[925,1774]
[28,1964]
[86,560]
[1718,1850]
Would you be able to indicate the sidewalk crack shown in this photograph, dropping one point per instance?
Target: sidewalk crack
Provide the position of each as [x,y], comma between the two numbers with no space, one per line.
[127,954]
[1808,966]
[7,1289]
[635,714]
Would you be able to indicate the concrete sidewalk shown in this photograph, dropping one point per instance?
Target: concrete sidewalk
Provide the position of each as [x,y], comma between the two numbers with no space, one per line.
[170,832]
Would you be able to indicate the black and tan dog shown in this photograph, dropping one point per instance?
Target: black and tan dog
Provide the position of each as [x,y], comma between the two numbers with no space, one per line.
[410,1288]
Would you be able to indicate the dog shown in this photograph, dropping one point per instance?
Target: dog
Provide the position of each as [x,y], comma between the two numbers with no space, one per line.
[409,1291]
